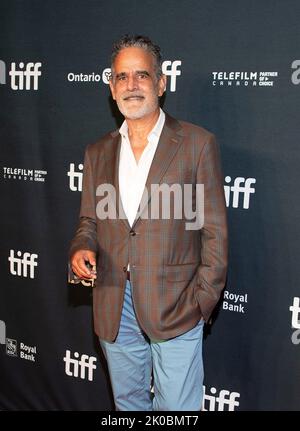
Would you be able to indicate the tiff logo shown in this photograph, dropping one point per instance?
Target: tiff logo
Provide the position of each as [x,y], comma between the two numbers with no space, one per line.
[23,76]
[295,309]
[75,178]
[225,401]
[238,189]
[170,68]
[19,266]
[85,363]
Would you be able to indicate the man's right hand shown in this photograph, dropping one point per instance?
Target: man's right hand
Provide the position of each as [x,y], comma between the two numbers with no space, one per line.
[79,260]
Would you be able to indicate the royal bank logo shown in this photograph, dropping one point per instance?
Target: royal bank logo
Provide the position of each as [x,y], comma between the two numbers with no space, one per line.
[81,366]
[21,76]
[26,351]
[11,347]
[235,302]
[238,191]
[22,264]
[169,68]
[243,79]
[295,320]
[223,400]
[22,174]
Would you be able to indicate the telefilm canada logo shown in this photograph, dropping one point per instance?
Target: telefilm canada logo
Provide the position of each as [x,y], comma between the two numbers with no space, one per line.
[170,68]
[243,79]
[15,349]
[22,174]
[20,76]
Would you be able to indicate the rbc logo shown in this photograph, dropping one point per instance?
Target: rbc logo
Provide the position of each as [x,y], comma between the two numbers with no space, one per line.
[19,266]
[11,347]
[85,362]
[75,182]
[224,401]
[26,76]
[237,189]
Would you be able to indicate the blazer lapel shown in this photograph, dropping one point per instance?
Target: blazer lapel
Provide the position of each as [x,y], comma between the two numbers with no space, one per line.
[169,143]
[112,157]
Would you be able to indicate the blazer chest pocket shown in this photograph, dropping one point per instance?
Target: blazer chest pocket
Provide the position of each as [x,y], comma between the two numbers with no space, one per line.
[178,177]
[182,272]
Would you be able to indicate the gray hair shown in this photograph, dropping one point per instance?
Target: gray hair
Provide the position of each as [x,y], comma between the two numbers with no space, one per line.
[138,41]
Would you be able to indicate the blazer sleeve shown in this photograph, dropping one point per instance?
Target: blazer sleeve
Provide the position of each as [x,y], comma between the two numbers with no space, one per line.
[86,234]
[211,273]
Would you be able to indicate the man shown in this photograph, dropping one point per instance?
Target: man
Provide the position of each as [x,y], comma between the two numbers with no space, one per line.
[158,277]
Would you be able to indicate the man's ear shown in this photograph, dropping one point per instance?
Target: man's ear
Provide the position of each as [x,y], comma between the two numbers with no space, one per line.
[162,84]
[111,86]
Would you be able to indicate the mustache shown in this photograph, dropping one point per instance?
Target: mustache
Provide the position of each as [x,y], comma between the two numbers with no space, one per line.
[128,95]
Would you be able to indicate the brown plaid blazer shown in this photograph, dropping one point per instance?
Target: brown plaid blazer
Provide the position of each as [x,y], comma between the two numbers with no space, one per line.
[177,275]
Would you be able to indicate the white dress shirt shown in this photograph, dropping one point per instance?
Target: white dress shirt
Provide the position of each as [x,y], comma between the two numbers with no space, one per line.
[133,175]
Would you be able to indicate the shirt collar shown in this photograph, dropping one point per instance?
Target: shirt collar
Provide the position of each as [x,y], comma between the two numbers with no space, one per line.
[155,132]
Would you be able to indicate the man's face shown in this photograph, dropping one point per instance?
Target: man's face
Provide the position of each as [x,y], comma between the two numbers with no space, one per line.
[134,85]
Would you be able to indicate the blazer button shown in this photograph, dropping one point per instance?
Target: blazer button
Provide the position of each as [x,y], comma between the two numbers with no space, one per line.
[132,232]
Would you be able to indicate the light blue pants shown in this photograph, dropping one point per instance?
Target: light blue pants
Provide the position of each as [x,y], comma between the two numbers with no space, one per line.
[176,363]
